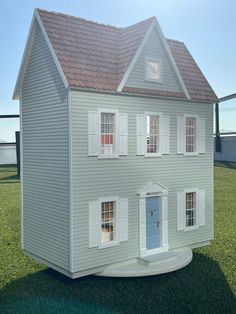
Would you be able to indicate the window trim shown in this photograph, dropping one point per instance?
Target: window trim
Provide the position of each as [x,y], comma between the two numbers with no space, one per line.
[196,153]
[115,242]
[116,141]
[158,60]
[196,226]
[158,114]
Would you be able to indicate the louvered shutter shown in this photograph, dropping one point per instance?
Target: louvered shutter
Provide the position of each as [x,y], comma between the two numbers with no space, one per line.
[92,133]
[180,135]
[93,223]
[201,136]
[140,136]
[123,219]
[180,210]
[165,138]
[123,134]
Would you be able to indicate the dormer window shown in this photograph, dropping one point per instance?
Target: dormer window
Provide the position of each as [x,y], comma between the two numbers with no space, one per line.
[153,70]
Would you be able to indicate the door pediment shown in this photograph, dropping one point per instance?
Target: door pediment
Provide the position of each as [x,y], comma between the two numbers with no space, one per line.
[154,188]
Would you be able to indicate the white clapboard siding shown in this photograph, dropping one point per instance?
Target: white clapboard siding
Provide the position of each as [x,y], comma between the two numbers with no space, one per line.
[123,121]
[92,133]
[201,207]
[123,219]
[180,210]
[165,220]
[201,136]
[93,223]
[165,139]
[180,135]
[140,130]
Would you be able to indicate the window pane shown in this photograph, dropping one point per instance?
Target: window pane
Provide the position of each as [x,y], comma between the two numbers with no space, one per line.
[190,209]
[107,133]
[191,134]
[152,134]
[107,222]
[153,70]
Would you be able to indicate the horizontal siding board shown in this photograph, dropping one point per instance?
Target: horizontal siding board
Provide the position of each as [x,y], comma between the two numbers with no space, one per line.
[93,178]
[45,158]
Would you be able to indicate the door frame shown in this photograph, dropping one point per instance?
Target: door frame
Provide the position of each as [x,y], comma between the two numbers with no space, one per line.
[151,190]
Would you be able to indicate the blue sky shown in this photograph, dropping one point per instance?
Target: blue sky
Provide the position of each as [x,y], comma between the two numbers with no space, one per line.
[206,26]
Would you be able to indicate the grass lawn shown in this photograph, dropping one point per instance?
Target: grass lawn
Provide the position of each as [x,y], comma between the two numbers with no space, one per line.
[207,285]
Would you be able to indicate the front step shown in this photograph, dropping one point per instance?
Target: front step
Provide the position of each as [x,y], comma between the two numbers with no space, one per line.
[158,258]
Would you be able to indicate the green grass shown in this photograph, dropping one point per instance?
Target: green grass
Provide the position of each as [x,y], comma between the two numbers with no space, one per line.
[207,285]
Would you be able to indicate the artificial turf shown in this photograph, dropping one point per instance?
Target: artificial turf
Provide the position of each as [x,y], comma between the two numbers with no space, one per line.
[207,285]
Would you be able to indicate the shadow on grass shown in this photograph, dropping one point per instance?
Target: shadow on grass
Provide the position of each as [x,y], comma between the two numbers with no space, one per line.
[13,178]
[201,287]
[225,164]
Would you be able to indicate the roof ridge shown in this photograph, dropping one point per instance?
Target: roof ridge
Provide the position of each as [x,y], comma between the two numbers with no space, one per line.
[79,18]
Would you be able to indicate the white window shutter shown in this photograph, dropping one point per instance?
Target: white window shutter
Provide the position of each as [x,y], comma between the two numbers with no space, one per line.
[180,135]
[92,133]
[93,223]
[201,208]
[165,135]
[123,219]
[123,134]
[201,135]
[140,128]
[180,210]
[142,220]
[165,220]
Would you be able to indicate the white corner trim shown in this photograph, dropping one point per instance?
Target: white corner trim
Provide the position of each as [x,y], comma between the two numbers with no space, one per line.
[21,178]
[135,58]
[51,48]
[28,45]
[172,60]
[71,269]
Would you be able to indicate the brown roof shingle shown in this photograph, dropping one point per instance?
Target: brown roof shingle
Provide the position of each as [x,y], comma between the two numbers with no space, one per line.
[97,56]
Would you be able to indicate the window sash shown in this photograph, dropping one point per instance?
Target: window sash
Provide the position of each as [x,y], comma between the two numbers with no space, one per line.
[153,134]
[108,222]
[190,210]
[107,133]
[153,69]
[191,134]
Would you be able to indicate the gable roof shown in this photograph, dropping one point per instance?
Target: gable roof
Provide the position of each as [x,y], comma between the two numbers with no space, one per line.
[97,56]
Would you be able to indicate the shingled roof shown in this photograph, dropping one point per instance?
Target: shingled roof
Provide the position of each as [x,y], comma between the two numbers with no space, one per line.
[96,56]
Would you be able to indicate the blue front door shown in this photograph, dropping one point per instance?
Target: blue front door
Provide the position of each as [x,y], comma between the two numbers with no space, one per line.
[153,222]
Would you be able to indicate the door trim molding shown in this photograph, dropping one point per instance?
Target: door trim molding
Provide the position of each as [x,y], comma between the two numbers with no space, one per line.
[151,190]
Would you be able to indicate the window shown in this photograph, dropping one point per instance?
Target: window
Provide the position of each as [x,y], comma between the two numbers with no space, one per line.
[108,222]
[153,70]
[190,209]
[152,134]
[191,134]
[107,133]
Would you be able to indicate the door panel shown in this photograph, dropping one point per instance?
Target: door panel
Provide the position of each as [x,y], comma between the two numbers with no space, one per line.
[153,222]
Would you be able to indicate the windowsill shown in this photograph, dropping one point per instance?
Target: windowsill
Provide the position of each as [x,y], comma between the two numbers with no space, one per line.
[191,228]
[191,154]
[153,80]
[152,155]
[108,157]
[108,244]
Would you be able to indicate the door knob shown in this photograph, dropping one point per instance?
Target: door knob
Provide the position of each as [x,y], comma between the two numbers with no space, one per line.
[158,223]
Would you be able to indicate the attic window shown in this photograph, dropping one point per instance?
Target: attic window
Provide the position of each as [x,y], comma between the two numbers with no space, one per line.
[153,69]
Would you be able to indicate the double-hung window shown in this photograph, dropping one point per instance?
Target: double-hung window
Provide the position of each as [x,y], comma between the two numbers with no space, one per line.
[107,133]
[108,222]
[153,134]
[190,209]
[191,134]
